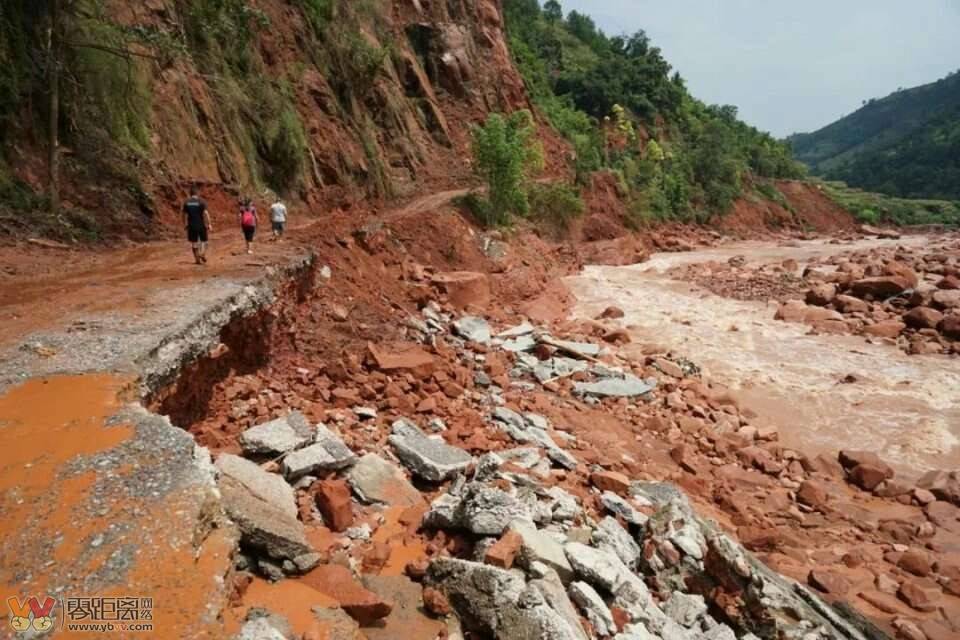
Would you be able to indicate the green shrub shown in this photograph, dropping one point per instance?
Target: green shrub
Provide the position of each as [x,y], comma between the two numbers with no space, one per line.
[283,146]
[556,204]
[505,153]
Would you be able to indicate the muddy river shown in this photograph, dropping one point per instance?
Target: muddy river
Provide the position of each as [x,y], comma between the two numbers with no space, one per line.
[907,408]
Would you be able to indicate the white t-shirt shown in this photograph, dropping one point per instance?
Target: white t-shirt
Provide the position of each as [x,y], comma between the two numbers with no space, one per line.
[278,212]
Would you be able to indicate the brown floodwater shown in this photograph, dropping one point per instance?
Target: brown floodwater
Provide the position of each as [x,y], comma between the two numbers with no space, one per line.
[906,408]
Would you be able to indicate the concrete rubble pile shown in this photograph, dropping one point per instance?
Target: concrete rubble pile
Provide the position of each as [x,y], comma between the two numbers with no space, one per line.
[518,535]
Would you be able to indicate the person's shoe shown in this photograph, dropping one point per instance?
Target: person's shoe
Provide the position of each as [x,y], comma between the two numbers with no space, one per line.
[204,259]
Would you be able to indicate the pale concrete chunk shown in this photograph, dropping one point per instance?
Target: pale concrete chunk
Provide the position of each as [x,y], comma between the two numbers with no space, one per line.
[428,458]
[266,486]
[489,510]
[263,526]
[496,603]
[472,328]
[551,588]
[374,479]
[610,536]
[600,568]
[620,507]
[685,609]
[593,607]
[277,436]
[328,453]
[540,547]
[627,387]
[582,349]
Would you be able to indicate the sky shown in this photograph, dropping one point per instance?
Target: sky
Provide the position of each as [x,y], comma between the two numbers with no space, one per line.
[793,66]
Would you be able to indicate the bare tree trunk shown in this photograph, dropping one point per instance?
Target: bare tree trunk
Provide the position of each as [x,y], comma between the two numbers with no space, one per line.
[54,61]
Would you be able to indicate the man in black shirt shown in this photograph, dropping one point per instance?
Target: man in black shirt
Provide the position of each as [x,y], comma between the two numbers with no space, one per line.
[196,219]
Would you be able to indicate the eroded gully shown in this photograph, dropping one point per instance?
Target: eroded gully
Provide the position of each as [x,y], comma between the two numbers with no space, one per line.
[905,407]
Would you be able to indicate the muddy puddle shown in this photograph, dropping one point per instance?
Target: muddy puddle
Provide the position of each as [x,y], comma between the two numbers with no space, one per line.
[905,407]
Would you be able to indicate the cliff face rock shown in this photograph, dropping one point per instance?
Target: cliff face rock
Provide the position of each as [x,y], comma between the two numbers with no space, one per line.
[372,98]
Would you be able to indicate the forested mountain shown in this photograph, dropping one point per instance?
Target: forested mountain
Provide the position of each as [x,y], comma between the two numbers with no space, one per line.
[906,145]
[624,109]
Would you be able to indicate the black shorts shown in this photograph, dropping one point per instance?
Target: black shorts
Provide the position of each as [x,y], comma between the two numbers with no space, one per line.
[197,234]
[278,226]
[248,233]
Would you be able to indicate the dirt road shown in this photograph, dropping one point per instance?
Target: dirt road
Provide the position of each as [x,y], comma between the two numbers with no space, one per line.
[906,407]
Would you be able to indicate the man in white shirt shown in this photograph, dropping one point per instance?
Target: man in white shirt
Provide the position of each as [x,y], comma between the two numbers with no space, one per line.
[278,217]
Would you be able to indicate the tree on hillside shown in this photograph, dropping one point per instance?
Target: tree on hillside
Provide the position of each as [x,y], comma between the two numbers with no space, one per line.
[73,27]
[553,11]
[506,152]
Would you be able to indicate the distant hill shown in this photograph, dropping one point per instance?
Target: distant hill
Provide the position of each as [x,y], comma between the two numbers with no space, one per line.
[905,145]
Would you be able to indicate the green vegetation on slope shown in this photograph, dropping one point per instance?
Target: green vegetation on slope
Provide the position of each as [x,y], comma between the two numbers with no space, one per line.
[616,101]
[876,208]
[905,145]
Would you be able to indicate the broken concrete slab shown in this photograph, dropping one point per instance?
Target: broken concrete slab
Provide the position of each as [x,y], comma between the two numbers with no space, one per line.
[556,368]
[598,567]
[555,594]
[522,329]
[593,607]
[429,458]
[610,536]
[263,526]
[495,602]
[267,486]
[537,546]
[620,507]
[685,609]
[519,344]
[629,386]
[290,432]
[328,453]
[581,349]
[473,329]
[487,510]
[376,480]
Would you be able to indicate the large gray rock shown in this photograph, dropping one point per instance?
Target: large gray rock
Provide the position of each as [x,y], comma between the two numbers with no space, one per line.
[266,486]
[497,603]
[263,526]
[541,547]
[628,386]
[593,607]
[374,479]
[428,458]
[328,453]
[610,536]
[278,436]
[473,328]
